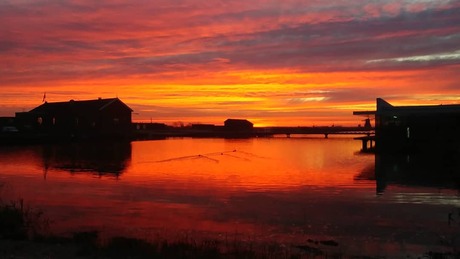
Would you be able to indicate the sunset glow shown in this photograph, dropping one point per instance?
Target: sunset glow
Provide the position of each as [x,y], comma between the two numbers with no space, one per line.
[290,62]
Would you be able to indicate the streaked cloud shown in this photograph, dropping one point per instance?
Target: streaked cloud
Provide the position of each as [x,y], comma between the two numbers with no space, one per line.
[455,56]
[202,59]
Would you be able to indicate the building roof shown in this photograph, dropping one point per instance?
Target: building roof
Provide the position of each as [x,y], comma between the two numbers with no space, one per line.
[86,106]
[383,107]
[242,121]
[365,113]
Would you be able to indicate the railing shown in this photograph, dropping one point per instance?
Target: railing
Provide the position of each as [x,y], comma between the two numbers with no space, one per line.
[314,130]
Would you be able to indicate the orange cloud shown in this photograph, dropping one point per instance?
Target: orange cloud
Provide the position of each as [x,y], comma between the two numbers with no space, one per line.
[274,62]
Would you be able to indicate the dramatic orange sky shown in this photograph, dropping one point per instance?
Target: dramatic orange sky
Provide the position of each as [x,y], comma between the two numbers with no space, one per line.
[274,62]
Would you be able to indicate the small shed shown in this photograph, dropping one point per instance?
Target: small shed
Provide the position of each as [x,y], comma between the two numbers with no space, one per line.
[238,125]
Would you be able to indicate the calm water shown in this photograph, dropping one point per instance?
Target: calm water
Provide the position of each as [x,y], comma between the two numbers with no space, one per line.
[287,190]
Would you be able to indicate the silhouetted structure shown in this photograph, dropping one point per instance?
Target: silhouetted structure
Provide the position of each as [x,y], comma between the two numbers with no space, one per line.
[150,130]
[7,124]
[198,126]
[238,128]
[101,118]
[238,125]
[415,128]
[150,126]
[367,124]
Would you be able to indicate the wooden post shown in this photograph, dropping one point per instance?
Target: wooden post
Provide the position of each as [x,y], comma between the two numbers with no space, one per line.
[364,148]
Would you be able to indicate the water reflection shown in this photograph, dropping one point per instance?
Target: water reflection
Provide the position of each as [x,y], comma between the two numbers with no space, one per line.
[441,170]
[279,189]
[105,158]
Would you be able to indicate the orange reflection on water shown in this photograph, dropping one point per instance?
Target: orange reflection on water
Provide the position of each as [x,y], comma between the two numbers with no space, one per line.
[251,186]
[252,164]
[275,189]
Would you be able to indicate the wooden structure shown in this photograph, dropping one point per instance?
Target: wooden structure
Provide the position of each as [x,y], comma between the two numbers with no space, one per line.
[238,125]
[100,118]
[415,128]
[319,130]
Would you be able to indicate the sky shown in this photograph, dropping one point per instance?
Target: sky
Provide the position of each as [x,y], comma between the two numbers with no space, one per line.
[274,62]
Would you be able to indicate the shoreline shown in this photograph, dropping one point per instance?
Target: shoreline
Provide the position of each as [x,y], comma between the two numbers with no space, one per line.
[89,245]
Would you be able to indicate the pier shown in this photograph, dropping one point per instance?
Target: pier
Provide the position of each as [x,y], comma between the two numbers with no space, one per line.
[222,131]
[320,130]
[368,143]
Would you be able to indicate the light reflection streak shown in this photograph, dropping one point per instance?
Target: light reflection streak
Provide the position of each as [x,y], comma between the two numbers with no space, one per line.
[429,198]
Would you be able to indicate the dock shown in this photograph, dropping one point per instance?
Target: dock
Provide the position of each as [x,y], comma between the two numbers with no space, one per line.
[315,130]
[221,131]
[368,143]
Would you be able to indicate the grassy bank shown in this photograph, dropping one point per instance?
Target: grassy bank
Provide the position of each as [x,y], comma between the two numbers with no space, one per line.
[24,233]
[89,245]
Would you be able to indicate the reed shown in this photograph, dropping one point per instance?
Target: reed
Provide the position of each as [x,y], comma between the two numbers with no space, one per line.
[20,221]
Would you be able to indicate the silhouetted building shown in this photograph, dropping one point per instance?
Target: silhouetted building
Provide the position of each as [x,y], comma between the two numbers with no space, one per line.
[416,128]
[238,125]
[150,126]
[150,130]
[199,126]
[367,124]
[101,118]
[7,124]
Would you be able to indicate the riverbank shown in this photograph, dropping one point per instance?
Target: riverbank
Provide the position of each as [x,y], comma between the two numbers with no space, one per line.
[88,245]
[85,245]
[25,233]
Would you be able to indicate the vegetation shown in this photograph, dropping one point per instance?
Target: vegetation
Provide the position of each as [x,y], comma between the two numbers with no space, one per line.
[29,229]
[24,234]
[21,222]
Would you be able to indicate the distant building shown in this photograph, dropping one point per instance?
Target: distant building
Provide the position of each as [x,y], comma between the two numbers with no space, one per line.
[99,118]
[238,125]
[150,126]
[416,127]
[8,126]
[199,126]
